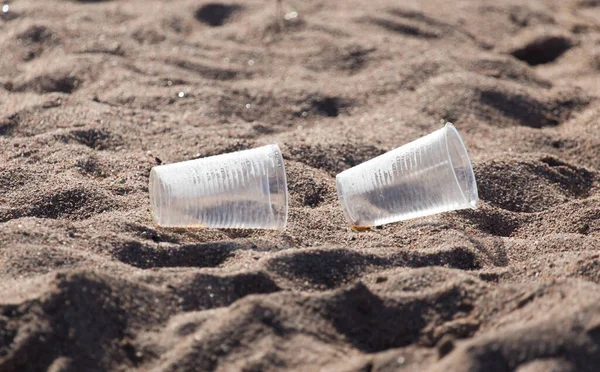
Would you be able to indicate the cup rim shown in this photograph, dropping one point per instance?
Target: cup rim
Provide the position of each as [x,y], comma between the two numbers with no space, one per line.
[449,127]
[342,200]
[152,179]
[283,173]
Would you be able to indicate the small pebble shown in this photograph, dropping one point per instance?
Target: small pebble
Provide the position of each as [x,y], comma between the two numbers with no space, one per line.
[5,8]
[291,15]
[181,94]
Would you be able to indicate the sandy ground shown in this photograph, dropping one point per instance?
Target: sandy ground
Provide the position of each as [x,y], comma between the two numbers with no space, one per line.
[95,93]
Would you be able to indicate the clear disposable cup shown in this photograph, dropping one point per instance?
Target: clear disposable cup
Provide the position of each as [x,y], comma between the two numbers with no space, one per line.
[244,189]
[430,175]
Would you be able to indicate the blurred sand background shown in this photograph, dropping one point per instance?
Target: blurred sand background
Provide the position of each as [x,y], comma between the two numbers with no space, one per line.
[95,93]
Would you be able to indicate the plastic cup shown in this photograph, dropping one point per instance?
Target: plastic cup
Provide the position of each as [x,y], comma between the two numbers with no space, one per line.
[430,175]
[244,189]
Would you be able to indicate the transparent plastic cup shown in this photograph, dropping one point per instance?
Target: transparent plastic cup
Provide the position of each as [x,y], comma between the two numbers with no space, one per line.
[430,175]
[244,189]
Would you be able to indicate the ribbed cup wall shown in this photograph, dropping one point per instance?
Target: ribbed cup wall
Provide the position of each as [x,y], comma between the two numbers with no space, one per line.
[245,189]
[430,175]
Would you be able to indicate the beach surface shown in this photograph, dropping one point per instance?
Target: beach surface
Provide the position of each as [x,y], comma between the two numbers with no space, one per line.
[93,94]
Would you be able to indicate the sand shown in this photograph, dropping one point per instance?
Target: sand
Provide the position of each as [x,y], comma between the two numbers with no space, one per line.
[95,93]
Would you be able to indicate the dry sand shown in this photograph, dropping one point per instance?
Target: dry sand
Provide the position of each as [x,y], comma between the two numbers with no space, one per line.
[90,100]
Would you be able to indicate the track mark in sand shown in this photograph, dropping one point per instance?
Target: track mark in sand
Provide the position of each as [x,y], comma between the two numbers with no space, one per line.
[71,203]
[577,181]
[327,106]
[146,256]
[417,24]
[205,291]
[92,166]
[354,58]
[209,72]
[334,158]
[285,109]
[456,256]
[589,3]
[309,188]
[325,268]
[65,308]
[36,34]
[572,346]
[93,138]
[536,112]
[531,186]
[357,307]
[351,58]
[148,35]
[498,103]
[372,323]
[150,233]
[216,14]
[313,193]
[62,82]
[407,27]
[491,220]
[331,268]
[224,147]
[544,49]
[37,328]
[97,139]
[523,108]
[506,68]
[39,260]
[361,316]
[14,178]
[9,124]
[411,23]
[34,40]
